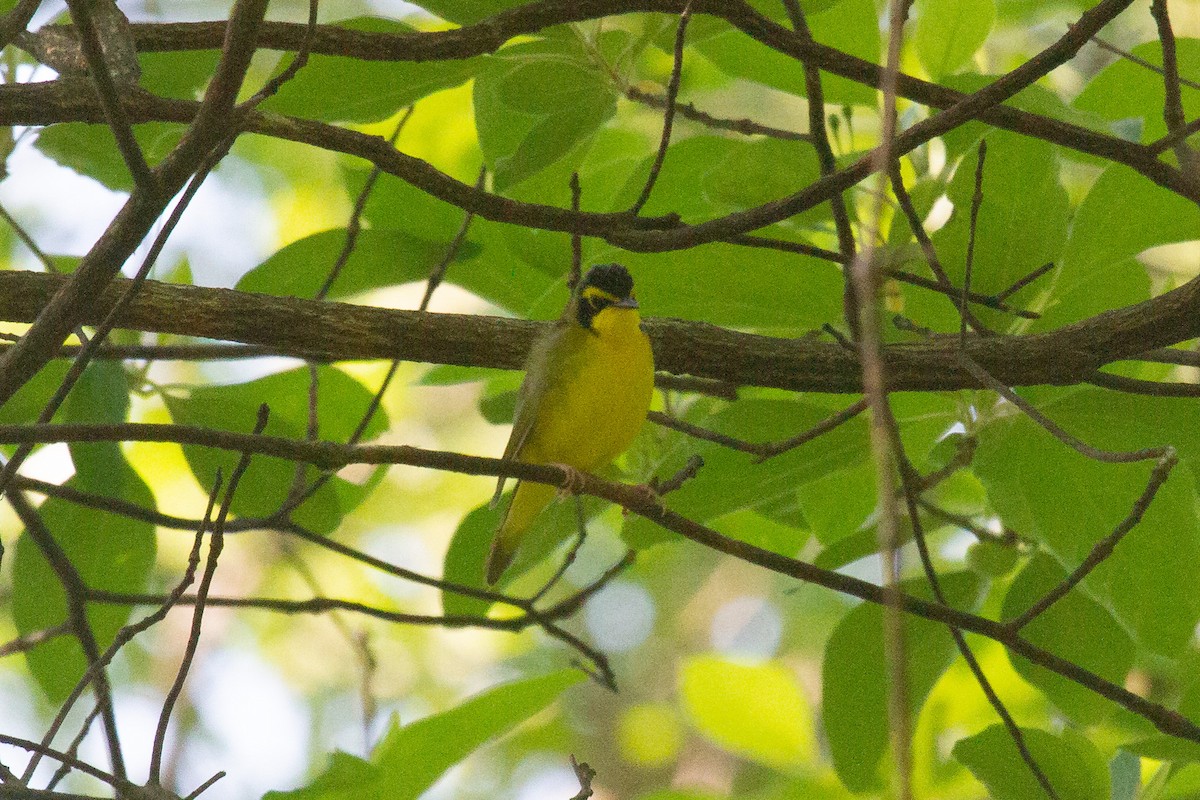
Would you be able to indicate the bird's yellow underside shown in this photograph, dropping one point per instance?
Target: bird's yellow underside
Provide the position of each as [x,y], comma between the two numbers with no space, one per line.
[591,409]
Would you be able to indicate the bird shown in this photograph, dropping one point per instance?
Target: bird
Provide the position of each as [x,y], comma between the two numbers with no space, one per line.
[587,388]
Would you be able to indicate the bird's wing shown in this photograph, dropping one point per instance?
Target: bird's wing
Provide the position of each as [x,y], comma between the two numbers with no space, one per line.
[539,371]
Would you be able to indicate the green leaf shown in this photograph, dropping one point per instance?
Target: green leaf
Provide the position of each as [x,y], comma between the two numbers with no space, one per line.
[1072,764]
[758,289]
[1124,89]
[1023,224]
[769,534]
[1125,771]
[534,103]
[949,32]
[731,481]
[178,74]
[91,150]
[855,678]
[267,481]
[110,552]
[465,559]
[1069,502]
[851,26]
[345,778]
[411,758]
[344,89]
[466,12]
[1123,215]
[755,710]
[380,258]
[1106,649]
[839,503]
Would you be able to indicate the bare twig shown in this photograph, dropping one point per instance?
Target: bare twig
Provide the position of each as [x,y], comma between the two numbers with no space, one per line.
[668,113]
[576,238]
[763,450]
[585,774]
[110,98]
[215,544]
[746,127]
[439,271]
[1103,548]
[354,226]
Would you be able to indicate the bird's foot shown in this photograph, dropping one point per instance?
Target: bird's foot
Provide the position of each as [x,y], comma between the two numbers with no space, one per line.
[573,482]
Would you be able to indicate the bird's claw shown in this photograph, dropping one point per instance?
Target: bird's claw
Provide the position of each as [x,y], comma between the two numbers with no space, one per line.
[572,483]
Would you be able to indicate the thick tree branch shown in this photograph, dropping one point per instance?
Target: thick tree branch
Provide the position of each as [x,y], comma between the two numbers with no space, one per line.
[340,331]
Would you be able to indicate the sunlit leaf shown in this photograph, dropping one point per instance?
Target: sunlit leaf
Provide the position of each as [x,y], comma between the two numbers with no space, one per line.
[949,32]
[855,678]
[1072,764]
[754,710]
[268,481]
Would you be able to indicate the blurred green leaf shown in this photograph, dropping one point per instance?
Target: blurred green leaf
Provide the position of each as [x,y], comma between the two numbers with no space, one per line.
[851,26]
[380,258]
[465,559]
[465,12]
[343,89]
[948,32]
[178,74]
[1106,649]
[533,103]
[412,757]
[838,504]
[1074,767]
[855,677]
[91,150]
[268,481]
[754,710]
[1125,89]
[110,552]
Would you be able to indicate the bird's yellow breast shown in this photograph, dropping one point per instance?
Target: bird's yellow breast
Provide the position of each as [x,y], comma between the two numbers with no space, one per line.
[596,403]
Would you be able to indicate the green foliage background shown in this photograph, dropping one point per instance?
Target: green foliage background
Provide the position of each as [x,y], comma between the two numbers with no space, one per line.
[733,682]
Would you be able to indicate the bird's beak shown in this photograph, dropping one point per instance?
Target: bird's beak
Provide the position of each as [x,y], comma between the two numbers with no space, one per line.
[628,302]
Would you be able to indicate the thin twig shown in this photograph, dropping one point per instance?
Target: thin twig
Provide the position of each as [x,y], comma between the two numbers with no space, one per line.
[73,749]
[1141,62]
[216,543]
[30,640]
[964,309]
[668,113]
[584,774]
[1173,114]
[763,450]
[864,285]
[746,127]
[354,226]
[1103,548]
[110,98]
[1024,281]
[439,271]
[576,238]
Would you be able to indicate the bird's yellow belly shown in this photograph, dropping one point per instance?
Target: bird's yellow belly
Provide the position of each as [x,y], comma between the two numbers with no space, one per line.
[592,415]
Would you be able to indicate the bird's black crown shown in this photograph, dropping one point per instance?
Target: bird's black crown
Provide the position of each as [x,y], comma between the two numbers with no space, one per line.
[611,278]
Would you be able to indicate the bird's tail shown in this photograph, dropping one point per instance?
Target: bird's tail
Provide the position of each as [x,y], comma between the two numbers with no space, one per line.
[528,501]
